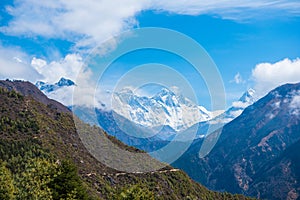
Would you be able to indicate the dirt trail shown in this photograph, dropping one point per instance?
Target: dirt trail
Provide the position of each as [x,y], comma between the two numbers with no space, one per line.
[124,173]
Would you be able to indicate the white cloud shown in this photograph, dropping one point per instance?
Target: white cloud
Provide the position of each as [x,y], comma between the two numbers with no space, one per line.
[67,67]
[236,113]
[70,67]
[63,95]
[295,103]
[91,22]
[268,76]
[238,79]
[240,104]
[14,65]
[86,93]
[83,22]
[234,9]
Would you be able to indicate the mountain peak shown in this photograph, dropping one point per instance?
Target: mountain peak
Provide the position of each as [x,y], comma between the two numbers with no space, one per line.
[64,82]
[251,91]
[164,92]
[48,88]
[248,96]
[247,99]
[164,108]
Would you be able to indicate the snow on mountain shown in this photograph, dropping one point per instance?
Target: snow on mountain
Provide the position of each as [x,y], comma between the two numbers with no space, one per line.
[294,107]
[164,108]
[61,91]
[247,99]
[47,87]
[65,82]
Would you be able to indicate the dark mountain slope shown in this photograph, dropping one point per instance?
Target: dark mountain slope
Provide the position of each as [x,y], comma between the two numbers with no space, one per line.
[27,89]
[251,148]
[283,172]
[40,150]
[108,121]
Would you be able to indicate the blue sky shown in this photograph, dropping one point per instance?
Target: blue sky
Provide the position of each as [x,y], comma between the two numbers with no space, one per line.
[253,43]
[235,46]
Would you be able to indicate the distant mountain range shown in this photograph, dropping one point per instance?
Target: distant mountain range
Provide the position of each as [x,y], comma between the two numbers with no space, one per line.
[163,116]
[174,110]
[164,108]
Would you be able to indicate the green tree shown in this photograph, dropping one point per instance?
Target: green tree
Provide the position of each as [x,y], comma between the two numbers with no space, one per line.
[68,185]
[7,188]
[136,192]
[33,182]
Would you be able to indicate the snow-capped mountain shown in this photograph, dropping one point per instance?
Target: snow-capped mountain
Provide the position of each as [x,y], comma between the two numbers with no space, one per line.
[164,108]
[60,91]
[47,87]
[247,99]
